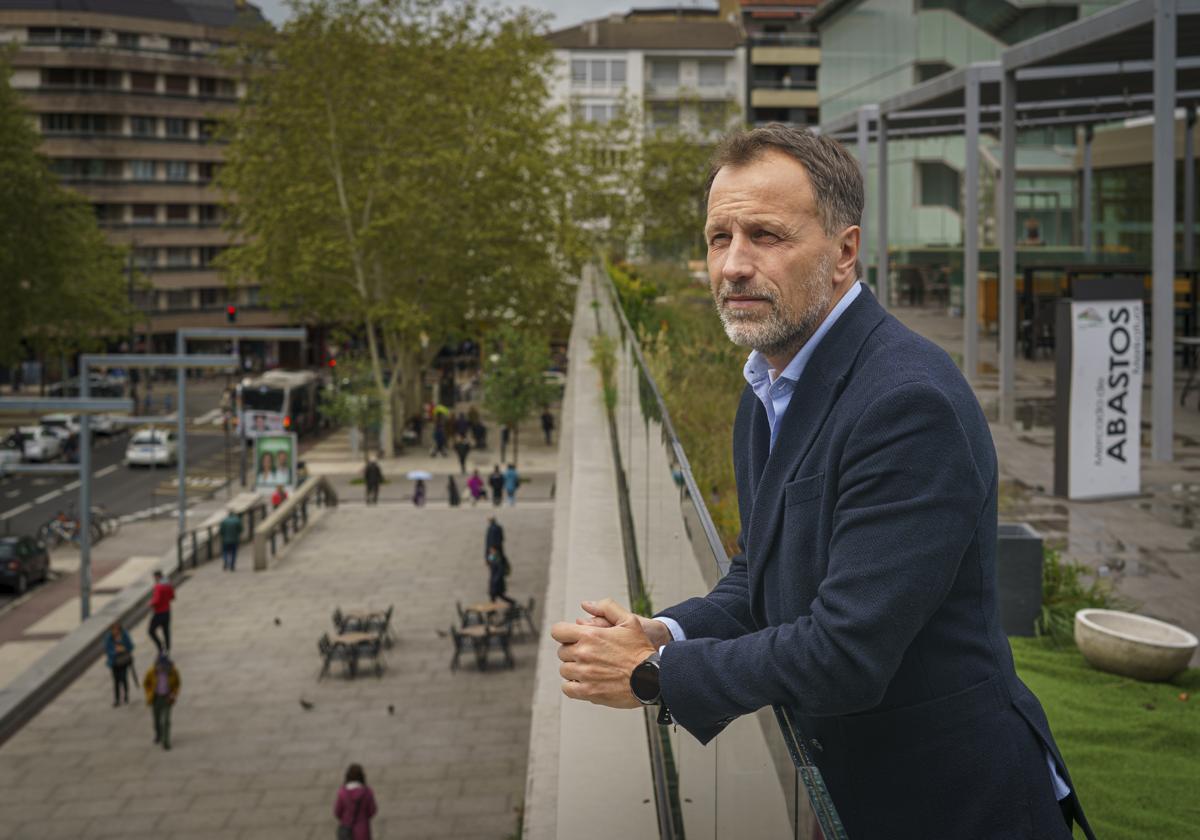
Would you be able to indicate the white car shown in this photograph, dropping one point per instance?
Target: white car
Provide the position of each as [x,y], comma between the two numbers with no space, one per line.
[41,444]
[62,425]
[9,453]
[152,448]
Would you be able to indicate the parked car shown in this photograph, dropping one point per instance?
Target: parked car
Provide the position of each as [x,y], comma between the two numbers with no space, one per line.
[23,560]
[66,425]
[10,451]
[41,444]
[150,447]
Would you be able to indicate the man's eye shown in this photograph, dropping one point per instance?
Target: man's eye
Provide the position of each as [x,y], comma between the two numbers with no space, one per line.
[764,234]
[718,238]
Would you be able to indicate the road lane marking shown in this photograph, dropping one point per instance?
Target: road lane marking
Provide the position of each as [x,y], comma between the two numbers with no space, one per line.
[69,487]
[17,511]
[53,494]
[109,470]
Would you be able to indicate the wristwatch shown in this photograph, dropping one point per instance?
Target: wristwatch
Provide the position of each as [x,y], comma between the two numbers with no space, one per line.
[644,684]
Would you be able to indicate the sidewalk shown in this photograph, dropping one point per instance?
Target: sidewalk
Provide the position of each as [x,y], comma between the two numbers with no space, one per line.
[1148,546]
[445,752]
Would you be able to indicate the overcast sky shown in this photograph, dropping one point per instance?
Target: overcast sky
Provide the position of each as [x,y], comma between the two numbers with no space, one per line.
[566,12]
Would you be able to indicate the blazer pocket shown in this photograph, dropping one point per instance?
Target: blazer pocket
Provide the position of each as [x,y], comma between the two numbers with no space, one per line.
[803,490]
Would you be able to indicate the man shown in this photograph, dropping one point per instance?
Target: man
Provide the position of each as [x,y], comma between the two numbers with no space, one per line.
[279,496]
[462,448]
[496,482]
[160,603]
[231,537]
[373,477]
[161,685]
[863,599]
[494,538]
[548,425]
[498,568]
[512,483]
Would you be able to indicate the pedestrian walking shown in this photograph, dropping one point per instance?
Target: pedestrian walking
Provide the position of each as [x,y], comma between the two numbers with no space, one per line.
[548,425]
[461,425]
[160,603]
[475,486]
[118,652]
[231,537]
[373,477]
[504,435]
[462,448]
[418,497]
[494,537]
[479,433]
[355,806]
[498,569]
[452,492]
[496,482]
[439,439]
[512,481]
[162,690]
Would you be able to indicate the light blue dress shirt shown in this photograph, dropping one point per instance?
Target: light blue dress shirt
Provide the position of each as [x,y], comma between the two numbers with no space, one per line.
[775,391]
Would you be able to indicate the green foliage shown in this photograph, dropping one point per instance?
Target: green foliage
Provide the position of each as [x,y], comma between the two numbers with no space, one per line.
[62,284]
[1065,591]
[642,604]
[674,165]
[514,382]
[399,172]
[604,358]
[636,294]
[1133,747]
[353,400]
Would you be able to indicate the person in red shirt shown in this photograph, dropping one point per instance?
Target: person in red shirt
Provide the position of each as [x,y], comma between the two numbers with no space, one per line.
[279,496]
[160,602]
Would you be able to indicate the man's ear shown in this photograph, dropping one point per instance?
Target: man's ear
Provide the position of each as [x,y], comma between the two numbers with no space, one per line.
[846,268]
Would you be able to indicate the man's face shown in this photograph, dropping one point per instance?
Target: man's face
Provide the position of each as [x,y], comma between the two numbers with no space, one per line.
[770,263]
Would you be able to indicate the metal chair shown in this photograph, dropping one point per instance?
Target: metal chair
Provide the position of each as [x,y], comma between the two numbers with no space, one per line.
[329,652]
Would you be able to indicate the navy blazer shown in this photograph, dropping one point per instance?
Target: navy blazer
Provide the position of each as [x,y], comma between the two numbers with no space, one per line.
[863,598]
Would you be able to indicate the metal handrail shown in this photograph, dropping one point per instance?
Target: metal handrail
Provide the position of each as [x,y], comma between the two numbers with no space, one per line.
[190,544]
[291,517]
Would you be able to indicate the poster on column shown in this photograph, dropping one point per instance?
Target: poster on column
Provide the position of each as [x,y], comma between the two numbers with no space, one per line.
[1106,398]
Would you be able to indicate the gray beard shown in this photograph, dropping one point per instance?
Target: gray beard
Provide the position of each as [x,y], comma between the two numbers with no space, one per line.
[782,331]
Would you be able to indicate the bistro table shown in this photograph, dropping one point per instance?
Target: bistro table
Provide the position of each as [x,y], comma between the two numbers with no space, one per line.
[352,641]
[481,636]
[486,609]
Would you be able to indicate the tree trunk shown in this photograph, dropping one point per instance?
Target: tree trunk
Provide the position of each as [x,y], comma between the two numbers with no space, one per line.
[516,430]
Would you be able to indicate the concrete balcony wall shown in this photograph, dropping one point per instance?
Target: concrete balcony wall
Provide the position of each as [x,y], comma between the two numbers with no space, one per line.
[790,56]
[784,98]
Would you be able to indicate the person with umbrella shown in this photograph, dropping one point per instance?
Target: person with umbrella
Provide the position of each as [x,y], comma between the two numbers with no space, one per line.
[420,477]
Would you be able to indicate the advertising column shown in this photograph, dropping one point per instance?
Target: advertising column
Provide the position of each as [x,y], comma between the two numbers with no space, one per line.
[1101,353]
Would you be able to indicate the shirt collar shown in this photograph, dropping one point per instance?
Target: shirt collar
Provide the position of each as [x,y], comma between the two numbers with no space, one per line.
[757,368]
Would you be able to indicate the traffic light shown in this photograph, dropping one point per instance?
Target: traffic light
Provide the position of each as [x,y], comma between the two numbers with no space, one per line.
[333,363]
[231,314]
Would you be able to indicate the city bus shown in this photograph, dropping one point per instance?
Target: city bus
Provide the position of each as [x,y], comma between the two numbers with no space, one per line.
[278,401]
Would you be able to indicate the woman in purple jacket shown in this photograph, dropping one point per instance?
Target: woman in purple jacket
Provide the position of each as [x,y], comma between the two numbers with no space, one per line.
[355,806]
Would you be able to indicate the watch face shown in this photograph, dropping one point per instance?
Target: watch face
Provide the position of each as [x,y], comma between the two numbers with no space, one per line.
[644,682]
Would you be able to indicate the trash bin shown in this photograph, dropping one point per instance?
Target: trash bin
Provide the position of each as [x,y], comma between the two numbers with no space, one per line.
[1018,577]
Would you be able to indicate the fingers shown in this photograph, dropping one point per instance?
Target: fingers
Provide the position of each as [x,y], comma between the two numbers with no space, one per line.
[565,633]
[593,622]
[608,609]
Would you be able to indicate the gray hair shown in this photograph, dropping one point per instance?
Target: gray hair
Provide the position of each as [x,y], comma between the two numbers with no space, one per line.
[836,180]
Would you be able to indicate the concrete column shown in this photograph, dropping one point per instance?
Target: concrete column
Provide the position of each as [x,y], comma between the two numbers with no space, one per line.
[970,296]
[1189,189]
[881,214]
[1162,383]
[1008,248]
[1086,199]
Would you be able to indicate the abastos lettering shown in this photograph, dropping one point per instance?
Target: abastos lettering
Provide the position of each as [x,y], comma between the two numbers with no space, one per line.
[1116,429]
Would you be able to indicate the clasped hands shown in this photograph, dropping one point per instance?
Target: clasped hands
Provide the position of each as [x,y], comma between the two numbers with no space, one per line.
[599,652]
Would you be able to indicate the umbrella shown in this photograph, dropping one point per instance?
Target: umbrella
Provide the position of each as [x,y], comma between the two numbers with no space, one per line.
[419,475]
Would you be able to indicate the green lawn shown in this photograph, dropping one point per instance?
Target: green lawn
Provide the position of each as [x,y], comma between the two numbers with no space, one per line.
[1133,747]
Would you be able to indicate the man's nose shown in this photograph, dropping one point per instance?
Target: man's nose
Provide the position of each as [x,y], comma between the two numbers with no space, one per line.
[739,265]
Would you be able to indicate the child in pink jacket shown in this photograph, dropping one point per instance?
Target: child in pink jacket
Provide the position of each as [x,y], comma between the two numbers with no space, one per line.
[355,806]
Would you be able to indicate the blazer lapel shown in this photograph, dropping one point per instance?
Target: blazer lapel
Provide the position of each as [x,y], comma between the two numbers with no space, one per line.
[815,395]
[760,445]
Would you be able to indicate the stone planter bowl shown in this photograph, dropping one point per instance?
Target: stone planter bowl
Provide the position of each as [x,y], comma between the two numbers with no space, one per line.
[1133,645]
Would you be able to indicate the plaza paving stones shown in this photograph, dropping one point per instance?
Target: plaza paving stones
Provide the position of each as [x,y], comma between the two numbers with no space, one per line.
[247,760]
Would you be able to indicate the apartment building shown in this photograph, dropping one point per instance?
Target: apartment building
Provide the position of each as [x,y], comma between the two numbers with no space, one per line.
[681,68]
[783,56]
[126,94]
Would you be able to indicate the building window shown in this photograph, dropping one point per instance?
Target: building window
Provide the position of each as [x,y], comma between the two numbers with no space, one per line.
[143,214]
[108,213]
[179,45]
[712,74]
[178,214]
[128,40]
[144,258]
[206,129]
[616,71]
[143,126]
[179,257]
[176,84]
[714,116]
[177,170]
[42,35]
[664,115]
[210,214]
[599,72]
[206,171]
[142,170]
[177,127]
[938,184]
[58,123]
[579,71]
[208,254]
[143,82]
[58,77]
[664,73]
[212,298]
[599,113]
[178,299]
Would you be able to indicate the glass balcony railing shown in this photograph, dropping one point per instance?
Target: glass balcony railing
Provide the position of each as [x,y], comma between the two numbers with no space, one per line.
[755,779]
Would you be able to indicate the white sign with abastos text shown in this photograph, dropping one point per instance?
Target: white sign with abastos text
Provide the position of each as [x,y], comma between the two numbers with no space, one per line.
[1108,349]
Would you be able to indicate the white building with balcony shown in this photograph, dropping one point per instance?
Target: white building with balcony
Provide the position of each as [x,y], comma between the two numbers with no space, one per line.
[680,68]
